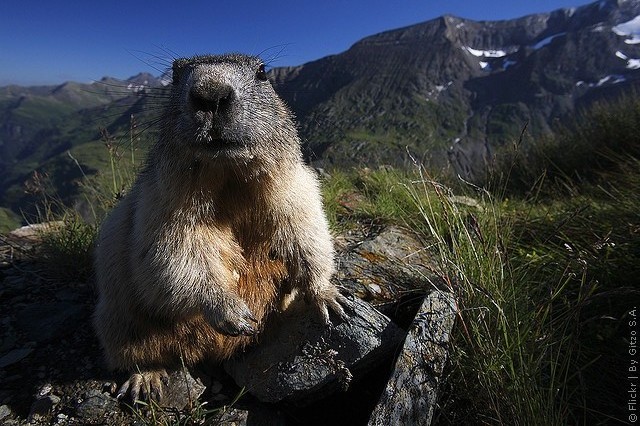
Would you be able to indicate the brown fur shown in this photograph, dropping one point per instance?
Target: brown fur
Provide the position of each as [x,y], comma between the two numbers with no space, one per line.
[222,224]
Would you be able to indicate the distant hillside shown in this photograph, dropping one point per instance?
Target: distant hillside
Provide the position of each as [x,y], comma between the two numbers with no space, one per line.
[40,126]
[449,90]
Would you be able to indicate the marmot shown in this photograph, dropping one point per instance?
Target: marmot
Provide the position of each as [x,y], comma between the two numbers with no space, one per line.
[223,222]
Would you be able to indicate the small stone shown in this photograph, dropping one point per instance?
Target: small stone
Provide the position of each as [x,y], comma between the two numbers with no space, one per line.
[182,391]
[5,412]
[42,406]
[232,417]
[44,389]
[62,419]
[95,404]
[109,387]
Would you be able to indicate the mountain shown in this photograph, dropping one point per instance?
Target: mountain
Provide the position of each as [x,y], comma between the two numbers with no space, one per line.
[25,112]
[40,125]
[448,91]
[454,81]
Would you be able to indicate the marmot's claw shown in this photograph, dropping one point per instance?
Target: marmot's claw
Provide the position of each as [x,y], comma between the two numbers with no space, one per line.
[330,297]
[339,304]
[233,319]
[242,328]
[147,384]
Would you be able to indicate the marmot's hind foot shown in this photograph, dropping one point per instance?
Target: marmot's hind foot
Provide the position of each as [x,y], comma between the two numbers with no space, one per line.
[144,386]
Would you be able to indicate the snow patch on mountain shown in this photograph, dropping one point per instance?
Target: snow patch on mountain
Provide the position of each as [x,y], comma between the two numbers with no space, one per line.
[486,53]
[609,79]
[629,29]
[135,88]
[545,41]
[632,63]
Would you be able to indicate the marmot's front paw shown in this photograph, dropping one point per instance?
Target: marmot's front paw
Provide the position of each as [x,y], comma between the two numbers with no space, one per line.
[144,386]
[328,297]
[232,317]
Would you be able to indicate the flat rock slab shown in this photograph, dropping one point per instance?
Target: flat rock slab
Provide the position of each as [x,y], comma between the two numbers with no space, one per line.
[410,395]
[383,264]
[300,358]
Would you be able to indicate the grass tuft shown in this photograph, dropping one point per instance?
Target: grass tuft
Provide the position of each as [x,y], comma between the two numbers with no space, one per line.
[66,251]
[544,267]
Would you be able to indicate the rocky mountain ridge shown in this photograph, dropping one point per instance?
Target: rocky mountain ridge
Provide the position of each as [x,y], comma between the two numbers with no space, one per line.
[456,80]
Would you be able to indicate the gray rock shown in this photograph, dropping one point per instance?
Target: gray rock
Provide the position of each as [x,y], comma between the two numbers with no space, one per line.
[182,391]
[5,412]
[94,405]
[300,358]
[14,356]
[34,231]
[380,267]
[43,406]
[232,417]
[411,393]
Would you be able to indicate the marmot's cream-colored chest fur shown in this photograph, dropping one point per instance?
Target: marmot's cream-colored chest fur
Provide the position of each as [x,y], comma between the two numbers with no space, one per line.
[224,221]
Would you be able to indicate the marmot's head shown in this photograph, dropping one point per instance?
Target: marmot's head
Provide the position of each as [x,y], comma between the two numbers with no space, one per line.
[224,108]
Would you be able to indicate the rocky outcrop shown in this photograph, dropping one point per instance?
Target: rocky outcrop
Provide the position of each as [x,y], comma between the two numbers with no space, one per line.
[411,395]
[51,371]
[301,359]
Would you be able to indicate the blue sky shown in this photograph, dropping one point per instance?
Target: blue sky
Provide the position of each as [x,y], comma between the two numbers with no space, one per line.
[48,42]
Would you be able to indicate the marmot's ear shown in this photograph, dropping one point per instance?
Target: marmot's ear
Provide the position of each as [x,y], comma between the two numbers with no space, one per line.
[177,69]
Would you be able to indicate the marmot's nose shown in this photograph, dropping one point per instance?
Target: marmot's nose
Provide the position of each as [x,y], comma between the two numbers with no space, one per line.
[215,98]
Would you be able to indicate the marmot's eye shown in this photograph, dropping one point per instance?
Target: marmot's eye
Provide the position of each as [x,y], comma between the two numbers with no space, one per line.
[261,74]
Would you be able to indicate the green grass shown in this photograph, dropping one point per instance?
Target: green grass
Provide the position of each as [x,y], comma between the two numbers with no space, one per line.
[8,220]
[542,286]
[600,140]
[544,269]
[66,250]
